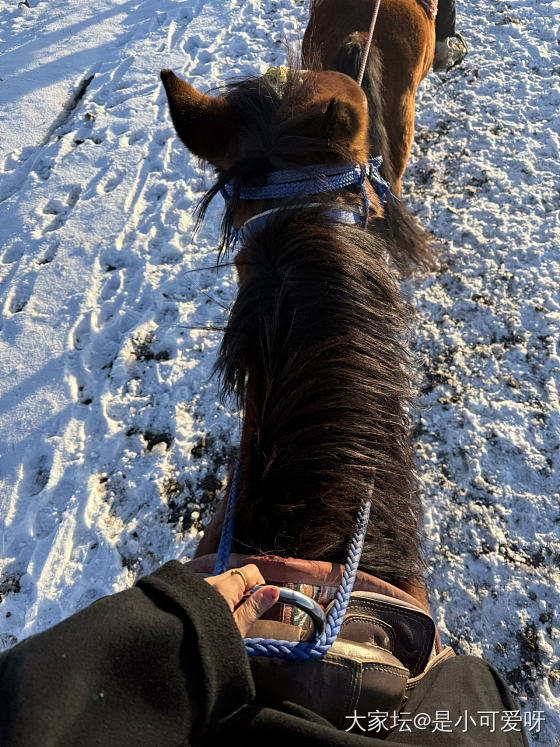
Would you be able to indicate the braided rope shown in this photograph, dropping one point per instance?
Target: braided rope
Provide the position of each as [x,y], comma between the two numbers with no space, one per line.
[368,43]
[305,172]
[311,180]
[314,3]
[224,549]
[318,647]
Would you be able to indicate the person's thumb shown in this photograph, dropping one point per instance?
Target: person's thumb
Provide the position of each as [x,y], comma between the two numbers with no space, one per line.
[255,606]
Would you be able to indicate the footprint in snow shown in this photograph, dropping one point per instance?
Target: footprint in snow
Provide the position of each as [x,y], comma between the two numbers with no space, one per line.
[193,43]
[81,333]
[13,252]
[36,473]
[19,296]
[43,169]
[138,136]
[73,195]
[45,521]
[61,210]
[111,286]
[49,254]
[111,182]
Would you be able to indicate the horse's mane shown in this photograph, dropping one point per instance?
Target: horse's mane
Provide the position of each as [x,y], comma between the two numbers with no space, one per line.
[318,330]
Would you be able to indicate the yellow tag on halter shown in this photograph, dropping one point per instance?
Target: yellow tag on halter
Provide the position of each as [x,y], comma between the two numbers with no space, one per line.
[278,77]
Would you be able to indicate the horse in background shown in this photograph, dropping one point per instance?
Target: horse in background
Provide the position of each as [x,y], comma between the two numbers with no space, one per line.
[400,57]
[334,117]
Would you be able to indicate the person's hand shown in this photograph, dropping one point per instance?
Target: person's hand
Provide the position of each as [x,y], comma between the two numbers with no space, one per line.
[233,585]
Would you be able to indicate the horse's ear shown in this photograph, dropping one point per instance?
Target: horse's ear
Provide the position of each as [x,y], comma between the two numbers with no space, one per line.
[341,122]
[204,123]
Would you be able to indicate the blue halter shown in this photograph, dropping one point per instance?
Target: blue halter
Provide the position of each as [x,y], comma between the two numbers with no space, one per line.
[310,180]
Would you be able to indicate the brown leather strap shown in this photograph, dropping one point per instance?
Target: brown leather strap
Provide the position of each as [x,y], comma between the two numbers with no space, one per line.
[408,632]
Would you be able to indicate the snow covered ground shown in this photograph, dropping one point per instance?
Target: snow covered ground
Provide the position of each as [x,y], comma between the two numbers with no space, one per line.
[113,443]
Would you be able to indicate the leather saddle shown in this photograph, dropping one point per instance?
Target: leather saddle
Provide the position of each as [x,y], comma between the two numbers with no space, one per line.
[384,648]
[386,645]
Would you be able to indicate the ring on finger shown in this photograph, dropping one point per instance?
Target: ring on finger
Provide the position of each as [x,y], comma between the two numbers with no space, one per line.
[236,570]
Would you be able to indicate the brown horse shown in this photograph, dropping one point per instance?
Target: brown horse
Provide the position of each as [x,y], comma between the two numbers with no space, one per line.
[314,348]
[400,57]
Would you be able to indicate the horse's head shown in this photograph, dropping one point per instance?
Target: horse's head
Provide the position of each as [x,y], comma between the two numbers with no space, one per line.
[284,120]
[258,118]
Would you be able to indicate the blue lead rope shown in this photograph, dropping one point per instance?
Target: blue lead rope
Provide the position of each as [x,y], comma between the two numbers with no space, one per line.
[317,647]
[224,548]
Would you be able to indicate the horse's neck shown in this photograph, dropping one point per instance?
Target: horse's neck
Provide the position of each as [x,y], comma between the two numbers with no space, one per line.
[313,346]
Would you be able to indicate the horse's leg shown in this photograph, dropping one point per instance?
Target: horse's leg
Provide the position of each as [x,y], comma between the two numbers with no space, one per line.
[406,61]
[399,118]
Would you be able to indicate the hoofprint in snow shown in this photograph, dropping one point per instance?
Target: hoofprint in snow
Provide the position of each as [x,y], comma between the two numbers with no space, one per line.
[115,444]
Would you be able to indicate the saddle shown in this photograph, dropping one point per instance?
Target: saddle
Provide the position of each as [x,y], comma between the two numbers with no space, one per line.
[386,645]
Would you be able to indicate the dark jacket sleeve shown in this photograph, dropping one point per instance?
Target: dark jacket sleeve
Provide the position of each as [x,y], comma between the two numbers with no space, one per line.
[153,665]
[163,665]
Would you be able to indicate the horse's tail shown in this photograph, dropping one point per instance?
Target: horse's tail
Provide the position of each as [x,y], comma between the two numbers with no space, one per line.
[411,244]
